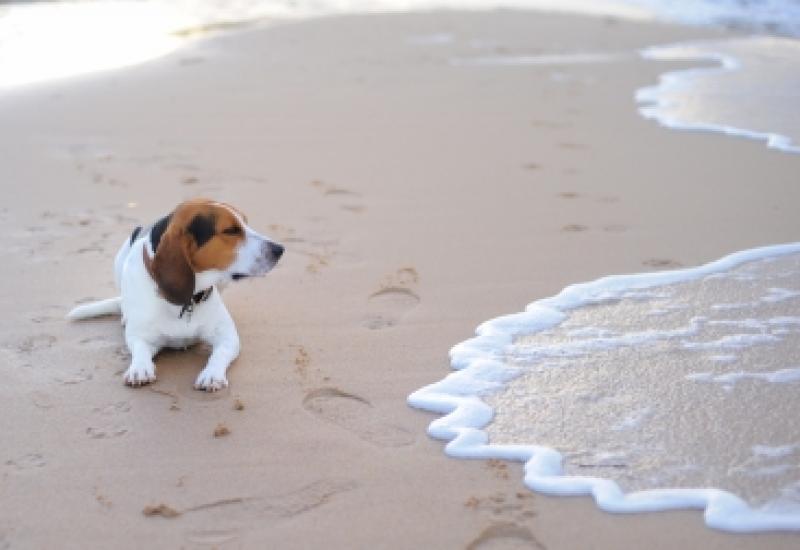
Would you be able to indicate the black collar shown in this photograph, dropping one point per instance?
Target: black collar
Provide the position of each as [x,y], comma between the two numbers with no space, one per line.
[188,307]
[201,296]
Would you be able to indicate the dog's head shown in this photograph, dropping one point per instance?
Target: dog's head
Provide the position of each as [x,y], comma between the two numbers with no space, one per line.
[204,243]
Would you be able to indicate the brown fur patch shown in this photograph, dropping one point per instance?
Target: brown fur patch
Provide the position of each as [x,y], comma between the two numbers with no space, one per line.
[218,252]
[179,257]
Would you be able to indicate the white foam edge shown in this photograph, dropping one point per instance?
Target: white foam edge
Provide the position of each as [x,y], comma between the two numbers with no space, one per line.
[478,370]
[781,376]
[653,103]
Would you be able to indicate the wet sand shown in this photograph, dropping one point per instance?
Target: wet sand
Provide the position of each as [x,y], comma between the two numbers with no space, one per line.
[416,198]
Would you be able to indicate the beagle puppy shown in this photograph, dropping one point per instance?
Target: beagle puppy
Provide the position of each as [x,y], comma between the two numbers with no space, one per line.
[170,276]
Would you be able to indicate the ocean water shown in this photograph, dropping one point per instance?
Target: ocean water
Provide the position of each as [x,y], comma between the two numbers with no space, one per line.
[775,17]
[753,92]
[648,392]
[675,386]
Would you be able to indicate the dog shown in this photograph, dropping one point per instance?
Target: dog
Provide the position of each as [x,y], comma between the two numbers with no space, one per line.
[170,276]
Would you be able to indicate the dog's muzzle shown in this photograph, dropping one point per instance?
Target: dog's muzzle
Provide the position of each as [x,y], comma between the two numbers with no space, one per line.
[275,251]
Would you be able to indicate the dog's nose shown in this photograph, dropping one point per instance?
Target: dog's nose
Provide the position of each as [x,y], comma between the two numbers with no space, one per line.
[276,250]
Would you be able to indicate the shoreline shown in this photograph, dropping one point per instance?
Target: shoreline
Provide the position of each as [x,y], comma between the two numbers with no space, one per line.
[416,200]
[656,102]
[481,368]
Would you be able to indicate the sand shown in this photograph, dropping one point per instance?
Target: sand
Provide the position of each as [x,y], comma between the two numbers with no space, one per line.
[416,199]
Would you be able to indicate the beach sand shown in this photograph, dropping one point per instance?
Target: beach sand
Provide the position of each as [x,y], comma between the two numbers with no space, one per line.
[417,198]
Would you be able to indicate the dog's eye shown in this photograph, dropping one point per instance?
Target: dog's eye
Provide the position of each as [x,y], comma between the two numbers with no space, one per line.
[233,230]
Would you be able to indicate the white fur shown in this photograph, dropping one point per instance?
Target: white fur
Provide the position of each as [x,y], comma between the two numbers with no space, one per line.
[152,323]
[110,306]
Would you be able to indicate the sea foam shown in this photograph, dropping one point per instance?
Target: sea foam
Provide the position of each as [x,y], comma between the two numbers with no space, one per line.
[690,407]
[751,90]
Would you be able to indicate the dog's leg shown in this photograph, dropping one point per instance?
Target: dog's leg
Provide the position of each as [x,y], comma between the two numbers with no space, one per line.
[225,348]
[142,370]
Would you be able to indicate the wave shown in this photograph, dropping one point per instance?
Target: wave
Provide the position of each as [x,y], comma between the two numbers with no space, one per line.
[490,363]
[754,85]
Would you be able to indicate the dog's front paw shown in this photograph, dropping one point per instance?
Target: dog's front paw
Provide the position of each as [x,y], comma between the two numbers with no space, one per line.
[209,380]
[140,374]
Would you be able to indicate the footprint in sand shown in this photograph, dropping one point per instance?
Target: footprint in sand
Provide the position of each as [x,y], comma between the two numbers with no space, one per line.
[334,191]
[42,400]
[174,399]
[308,497]
[74,377]
[35,343]
[319,252]
[28,461]
[113,408]
[516,508]
[389,305]
[316,262]
[108,424]
[106,432]
[507,536]
[97,342]
[228,514]
[38,319]
[662,263]
[356,414]
[302,360]
[329,189]
[95,246]
[102,499]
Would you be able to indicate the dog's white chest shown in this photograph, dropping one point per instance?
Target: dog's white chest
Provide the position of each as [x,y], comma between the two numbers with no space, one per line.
[180,343]
[181,332]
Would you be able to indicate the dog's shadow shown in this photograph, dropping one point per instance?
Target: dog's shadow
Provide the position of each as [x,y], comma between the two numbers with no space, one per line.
[177,369]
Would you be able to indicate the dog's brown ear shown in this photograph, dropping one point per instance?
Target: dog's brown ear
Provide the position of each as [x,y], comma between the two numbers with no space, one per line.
[171,269]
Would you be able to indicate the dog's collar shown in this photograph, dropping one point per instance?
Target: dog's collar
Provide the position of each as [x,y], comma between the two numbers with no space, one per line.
[201,296]
[197,298]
